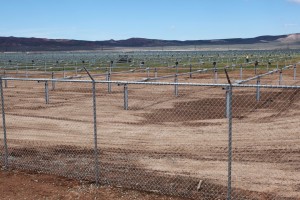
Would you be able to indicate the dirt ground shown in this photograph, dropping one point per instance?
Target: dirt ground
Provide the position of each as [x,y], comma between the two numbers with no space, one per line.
[27,185]
[161,143]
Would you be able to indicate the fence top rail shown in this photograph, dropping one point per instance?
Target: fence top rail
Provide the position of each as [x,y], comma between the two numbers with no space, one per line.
[152,83]
[265,74]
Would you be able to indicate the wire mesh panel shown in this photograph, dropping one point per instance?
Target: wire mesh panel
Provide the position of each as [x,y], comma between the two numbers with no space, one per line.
[167,138]
[266,143]
[163,142]
[50,130]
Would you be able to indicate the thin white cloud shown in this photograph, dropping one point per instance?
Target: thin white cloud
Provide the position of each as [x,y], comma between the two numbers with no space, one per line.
[290,25]
[294,1]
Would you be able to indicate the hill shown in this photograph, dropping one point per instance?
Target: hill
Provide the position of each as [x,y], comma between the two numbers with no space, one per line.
[8,44]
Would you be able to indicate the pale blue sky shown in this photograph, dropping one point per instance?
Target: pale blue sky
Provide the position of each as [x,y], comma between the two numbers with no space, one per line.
[156,19]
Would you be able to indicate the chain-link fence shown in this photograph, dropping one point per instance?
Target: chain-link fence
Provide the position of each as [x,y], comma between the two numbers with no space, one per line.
[190,140]
[266,143]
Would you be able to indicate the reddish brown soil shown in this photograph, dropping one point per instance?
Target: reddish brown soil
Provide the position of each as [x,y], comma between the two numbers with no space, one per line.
[27,185]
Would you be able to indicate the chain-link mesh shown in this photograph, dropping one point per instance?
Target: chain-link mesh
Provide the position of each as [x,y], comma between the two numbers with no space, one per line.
[266,144]
[163,143]
[168,139]
[54,138]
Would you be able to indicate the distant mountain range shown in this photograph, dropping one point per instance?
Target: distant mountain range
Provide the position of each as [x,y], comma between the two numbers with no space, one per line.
[41,44]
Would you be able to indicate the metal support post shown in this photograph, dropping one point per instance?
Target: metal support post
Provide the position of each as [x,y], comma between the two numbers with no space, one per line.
[4,127]
[226,102]
[215,75]
[106,77]
[109,76]
[5,81]
[229,117]
[255,67]
[46,92]
[110,66]
[258,89]
[147,69]
[26,72]
[108,84]
[125,97]
[97,170]
[241,72]
[97,173]
[190,71]
[176,86]
[53,82]
[295,68]
[280,77]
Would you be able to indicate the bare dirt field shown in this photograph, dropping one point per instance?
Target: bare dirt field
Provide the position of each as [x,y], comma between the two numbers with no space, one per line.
[29,185]
[162,143]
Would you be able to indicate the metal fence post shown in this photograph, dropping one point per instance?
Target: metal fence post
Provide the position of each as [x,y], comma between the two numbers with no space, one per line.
[4,126]
[26,73]
[190,71]
[109,84]
[147,69]
[107,72]
[258,89]
[241,72]
[125,97]
[226,102]
[97,170]
[110,66]
[280,77]
[229,114]
[46,92]
[5,81]
[109,76]
[95,136]
[176,85]
[64,73]
[295,67]
[53,82]
[215,75]
[45,66]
